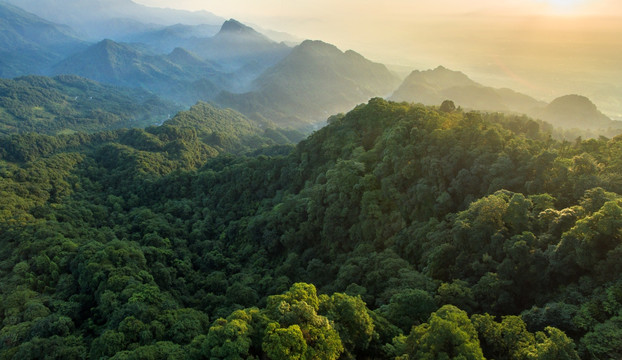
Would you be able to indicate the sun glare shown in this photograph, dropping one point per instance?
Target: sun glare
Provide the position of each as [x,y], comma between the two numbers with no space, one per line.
[564,6]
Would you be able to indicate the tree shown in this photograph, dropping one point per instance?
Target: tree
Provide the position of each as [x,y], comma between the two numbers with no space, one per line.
[408,308]
[449,334]
[299,306]
[352,321]
[284,343]
[447,106]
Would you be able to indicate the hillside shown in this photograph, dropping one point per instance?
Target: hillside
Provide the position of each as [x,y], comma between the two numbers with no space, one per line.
[240,50]
[424,233]
[576,111]
[431,87]
[179,76]
[229,131]
[117,19]
[166,39]
[314,81]
[236,45]
[29,44]
[65,104]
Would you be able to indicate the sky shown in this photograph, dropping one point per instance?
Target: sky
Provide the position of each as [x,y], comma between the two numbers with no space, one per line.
[546,48]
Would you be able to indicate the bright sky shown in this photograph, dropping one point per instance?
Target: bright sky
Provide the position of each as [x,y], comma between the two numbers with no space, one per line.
[542,47]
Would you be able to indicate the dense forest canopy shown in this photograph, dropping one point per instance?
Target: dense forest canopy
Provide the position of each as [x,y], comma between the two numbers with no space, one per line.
[68,104]
[397,231]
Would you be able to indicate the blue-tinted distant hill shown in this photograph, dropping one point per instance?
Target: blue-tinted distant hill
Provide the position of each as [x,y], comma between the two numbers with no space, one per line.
[179,76]
[98,19]
[229,61]
[240,50]
[237,45]
[166,39]
[30,44]
[313,82]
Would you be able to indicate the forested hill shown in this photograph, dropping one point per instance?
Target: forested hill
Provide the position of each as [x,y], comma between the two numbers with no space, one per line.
[30,44]
[425,234]
[313,82]
[68,103]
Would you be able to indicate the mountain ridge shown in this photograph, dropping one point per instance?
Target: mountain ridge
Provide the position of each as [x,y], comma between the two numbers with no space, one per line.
[431,87]
[576,111]
[93,18]
[179,76]
[30,44]
[313,82]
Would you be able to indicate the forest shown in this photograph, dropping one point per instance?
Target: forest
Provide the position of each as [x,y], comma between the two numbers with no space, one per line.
[397,231]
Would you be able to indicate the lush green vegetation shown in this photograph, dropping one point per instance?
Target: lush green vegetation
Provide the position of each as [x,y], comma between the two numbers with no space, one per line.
[426,234]
[67,104]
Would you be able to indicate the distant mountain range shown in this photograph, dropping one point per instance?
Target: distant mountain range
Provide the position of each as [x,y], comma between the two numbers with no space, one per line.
[30,44]
[431,87]
[98,19]
[575,111]
[179,76]
[239,48]
[230,60]
[187,57]
[166,39]
[314,81]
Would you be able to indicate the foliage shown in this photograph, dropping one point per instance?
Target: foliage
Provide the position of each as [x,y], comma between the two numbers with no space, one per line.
[66,104]
[397,230]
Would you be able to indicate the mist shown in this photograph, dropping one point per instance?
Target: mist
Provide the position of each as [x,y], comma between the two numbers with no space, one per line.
[543,48]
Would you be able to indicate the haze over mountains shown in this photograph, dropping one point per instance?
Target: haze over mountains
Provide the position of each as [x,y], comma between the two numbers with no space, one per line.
[97,19]
[161,184]
[431,87]
[186,57]
[29,44]
[313,73]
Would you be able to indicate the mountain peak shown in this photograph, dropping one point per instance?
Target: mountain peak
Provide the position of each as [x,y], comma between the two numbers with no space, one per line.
[184,57]
[574,102]
[575,111]
[111,46]
[317,46]
[233,26]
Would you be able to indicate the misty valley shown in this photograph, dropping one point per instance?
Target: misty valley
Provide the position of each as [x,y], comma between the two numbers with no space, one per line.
[175,185]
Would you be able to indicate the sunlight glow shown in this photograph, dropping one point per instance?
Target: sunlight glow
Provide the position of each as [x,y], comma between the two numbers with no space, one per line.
[565,6]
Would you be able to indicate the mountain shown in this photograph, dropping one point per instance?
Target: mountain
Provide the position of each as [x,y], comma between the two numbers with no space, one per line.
[314,81]
[98,19]
[66,104]
[30,44]
[166,39]
[179,76]
[431,87]
[576,111]
[229,131]
[241,50]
